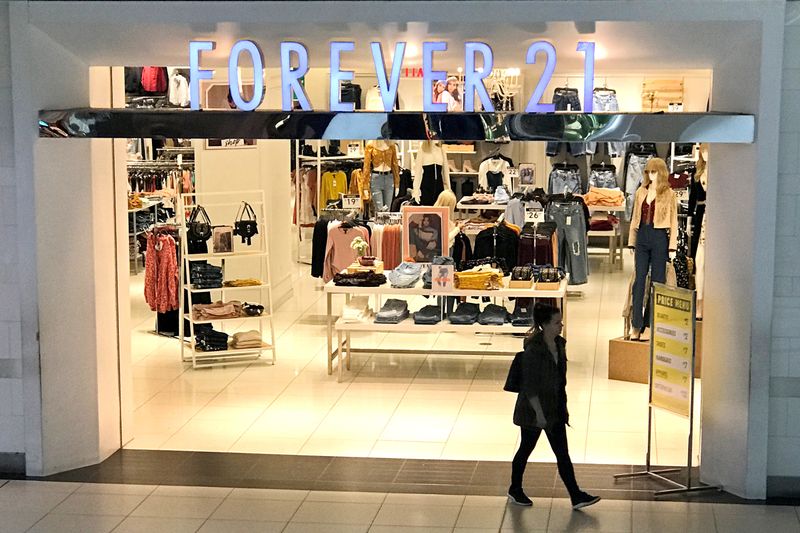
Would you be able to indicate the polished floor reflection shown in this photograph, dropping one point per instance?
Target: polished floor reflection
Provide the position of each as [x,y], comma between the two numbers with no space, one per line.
[406,406]
[45,507]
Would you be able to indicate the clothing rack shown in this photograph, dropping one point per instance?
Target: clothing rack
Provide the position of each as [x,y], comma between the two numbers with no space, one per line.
[159,164]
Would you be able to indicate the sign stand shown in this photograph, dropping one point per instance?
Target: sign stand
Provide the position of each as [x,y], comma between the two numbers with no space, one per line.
[671,388]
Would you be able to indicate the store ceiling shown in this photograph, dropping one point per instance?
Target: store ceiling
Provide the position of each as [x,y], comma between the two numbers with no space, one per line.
[621,45]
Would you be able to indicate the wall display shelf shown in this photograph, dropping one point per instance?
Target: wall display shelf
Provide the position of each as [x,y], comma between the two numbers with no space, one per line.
[343,349]
[251,261]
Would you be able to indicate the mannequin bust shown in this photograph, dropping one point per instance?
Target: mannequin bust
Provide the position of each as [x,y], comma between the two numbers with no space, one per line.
[383,171]
[653,235]
[431,173]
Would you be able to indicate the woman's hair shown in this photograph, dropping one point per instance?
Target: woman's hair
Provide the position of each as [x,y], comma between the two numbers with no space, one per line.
[659,166]
[542,314]
[701,163]
[446,199]
[456,95]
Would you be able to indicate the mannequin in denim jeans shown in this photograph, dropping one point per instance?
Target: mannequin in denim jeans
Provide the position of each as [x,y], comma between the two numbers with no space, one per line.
[380,164]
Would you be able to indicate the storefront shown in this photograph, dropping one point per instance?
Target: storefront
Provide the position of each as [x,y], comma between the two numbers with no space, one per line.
[95,365]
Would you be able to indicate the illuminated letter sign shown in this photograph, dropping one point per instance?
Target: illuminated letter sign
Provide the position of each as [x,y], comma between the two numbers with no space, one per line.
[338,75]
[258,75]
[473,80]
[290,78]
[429,76]
[388,88]
[195,72]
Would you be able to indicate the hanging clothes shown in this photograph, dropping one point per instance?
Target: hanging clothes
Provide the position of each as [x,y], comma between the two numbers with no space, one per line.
[332,184]
[431,173]
[493,173]
[338,253]
[161,273]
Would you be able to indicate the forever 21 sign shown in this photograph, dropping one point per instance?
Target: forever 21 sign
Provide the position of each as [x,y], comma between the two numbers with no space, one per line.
[294,65]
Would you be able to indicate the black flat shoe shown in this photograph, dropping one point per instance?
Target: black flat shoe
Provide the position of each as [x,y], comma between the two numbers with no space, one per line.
[518,497]
[584,500]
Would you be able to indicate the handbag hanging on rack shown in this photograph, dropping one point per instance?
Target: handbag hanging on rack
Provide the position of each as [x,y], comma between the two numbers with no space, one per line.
[246,225]
[198,228]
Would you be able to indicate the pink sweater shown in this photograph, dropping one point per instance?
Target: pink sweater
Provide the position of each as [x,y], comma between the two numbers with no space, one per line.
[338,254]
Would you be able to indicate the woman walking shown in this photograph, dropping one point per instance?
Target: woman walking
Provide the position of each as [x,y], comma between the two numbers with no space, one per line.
[539,375]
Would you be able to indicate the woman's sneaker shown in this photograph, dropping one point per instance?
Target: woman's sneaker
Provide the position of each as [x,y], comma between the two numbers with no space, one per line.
[518,497]
[584,500]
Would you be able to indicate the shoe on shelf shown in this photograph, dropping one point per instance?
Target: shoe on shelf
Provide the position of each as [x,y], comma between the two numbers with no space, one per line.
[452,165]
[584,500]
[468,166]
[518,497]
[308,151]
[323,152]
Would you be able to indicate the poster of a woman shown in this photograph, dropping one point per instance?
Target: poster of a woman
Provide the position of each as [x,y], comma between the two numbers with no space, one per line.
[423,237]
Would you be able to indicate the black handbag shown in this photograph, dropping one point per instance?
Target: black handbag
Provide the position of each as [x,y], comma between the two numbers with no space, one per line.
[514,378]
[198,228]
[246,225]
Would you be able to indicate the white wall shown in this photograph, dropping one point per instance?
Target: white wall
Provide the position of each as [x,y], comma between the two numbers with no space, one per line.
[784,408]
[12,434]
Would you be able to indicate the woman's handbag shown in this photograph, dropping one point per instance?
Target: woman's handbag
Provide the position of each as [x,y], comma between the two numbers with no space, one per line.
[198,228]
[246,225]
[514,379]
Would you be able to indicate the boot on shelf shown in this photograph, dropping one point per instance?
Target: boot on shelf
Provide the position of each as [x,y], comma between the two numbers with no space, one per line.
[452,165]
[468,166]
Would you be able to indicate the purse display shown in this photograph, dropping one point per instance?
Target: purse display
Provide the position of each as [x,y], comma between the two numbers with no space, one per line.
[198,228]
[246,225]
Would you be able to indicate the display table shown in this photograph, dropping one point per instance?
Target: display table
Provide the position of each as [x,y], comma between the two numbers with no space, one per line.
[343,330]
[615,239]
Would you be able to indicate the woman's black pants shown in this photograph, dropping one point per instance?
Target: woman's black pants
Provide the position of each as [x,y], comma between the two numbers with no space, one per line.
[557,435]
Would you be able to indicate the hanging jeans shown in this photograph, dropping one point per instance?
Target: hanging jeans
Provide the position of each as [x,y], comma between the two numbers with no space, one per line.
[633,178]
[650,255]
[381,187]
[565,99]
[603,178]
[605,101]
[571,239]
[557,435]
[564,180]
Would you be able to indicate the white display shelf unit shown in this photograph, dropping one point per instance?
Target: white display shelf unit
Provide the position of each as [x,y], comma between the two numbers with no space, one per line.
[222,207]
[343,349]
[616,241]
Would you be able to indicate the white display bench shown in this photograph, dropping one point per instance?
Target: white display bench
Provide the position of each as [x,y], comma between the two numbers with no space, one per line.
[616,244]
[343,330]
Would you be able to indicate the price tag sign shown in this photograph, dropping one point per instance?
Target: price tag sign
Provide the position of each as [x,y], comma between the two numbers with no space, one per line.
[442,277]
[534,214]
[351,201]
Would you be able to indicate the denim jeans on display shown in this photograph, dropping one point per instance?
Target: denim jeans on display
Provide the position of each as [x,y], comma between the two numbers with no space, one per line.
[563,97]
[605,179]
[650,255]
[571,239]
[633,178]
[493,315]
[393,311]
[564,180]
[523,312]
[405,275]
[381,187]
[429,315]
[465,313]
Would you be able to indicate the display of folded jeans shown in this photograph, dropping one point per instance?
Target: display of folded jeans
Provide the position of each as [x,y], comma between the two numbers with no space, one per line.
[205,276]
[393,311]
[466,313]
[359,279]
[438,260]
[482,277]
[406,275]
[246,282]
[356,310]
[217,310]
[493,315]
[246,339]
[210,340]
[523,312]
[428,315]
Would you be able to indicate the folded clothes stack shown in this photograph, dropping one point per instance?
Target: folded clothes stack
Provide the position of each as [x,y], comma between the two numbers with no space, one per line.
[493,315]
[210,340]
[478,199]
[604,197]
[406,275]
[466,313]
[393,311]
[429,315]
[602,222]
[247,282]
[217,310]
[246,339]
[482,277]
[359,279]
[205,276]
[356,310]
[523,312]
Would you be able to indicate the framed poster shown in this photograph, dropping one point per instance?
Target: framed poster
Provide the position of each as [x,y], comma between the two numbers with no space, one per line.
[527,174]
[425,232]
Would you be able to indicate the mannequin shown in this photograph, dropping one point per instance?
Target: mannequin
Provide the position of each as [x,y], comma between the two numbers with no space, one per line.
[699,226]
[380,164]
[431,175]
[653,236]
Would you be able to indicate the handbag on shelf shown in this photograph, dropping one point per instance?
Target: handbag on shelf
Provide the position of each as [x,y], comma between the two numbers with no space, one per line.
[198,228]
[246,225]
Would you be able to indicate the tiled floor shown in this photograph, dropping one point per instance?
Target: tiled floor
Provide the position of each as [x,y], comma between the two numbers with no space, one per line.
[41,507]
[408,406]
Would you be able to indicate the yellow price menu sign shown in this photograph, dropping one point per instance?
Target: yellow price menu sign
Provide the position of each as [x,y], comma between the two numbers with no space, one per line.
[672,349]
